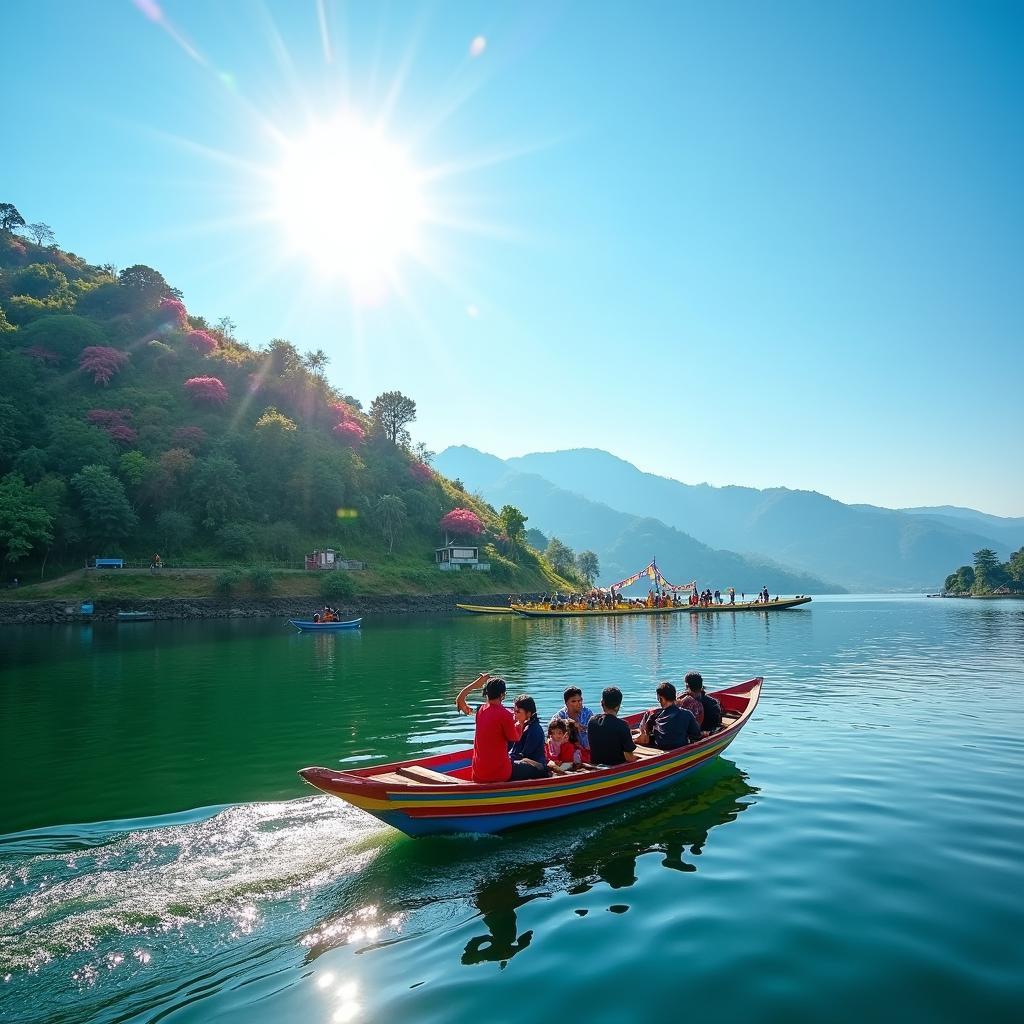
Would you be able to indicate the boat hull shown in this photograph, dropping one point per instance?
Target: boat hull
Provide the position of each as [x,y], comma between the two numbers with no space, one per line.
[419,809]
[693,609]
[483,609]
[325,627]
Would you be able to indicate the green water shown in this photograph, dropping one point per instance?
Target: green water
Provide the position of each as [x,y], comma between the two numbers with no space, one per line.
[858,854]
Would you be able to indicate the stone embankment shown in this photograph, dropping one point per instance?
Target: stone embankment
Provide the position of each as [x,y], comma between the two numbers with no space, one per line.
[43,612]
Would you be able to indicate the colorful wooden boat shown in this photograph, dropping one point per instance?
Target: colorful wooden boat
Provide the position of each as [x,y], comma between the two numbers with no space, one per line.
[777,604]
[486,609]
[436,794]
[308,626]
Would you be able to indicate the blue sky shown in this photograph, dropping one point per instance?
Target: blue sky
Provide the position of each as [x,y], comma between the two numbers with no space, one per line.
[763,244]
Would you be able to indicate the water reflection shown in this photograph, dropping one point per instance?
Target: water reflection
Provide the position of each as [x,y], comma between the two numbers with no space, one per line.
[495,877]
[497,902]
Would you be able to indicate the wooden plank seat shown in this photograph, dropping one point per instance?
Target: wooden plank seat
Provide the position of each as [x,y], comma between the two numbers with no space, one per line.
[417,773]
[643,751]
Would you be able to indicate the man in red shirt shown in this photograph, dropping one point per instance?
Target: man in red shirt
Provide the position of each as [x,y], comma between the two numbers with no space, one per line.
[495,730]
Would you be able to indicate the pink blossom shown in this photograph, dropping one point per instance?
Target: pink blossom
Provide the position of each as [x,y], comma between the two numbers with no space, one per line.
[202,342]
[421,472]
[102,362]
[462,520]
[188,437]
[342,411]
[108,417]
[350,433]
[174,312]
[122,433]
[208,390]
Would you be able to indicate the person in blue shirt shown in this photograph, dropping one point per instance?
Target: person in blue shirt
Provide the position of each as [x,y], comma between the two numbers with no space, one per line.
[669,726]
[528,757]
[575,710]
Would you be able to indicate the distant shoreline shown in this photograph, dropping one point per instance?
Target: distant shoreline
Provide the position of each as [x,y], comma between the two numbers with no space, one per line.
[51,611]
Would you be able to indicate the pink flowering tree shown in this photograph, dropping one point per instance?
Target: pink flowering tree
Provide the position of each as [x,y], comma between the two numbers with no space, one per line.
[188,437]
[202,342]
[206,390]
[421,472]
[173,313]
[462,522]
[349,432]
[108,418]
[122,433]
[102,362]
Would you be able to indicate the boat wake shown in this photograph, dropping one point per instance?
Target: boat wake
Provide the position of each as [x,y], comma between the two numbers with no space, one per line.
[86,903]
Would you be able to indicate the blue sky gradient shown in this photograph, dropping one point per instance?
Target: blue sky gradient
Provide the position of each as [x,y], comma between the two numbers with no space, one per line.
[736,242]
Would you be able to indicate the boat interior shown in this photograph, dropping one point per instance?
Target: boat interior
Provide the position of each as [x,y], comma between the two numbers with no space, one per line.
[417,775]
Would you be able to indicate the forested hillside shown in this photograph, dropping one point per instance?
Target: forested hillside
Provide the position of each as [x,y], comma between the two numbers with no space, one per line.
[130,425]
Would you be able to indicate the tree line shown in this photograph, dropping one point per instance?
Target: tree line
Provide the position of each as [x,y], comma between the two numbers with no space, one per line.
[988,575]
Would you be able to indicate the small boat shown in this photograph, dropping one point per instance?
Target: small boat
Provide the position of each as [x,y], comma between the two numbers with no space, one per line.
[486,609]
[541,612]
[308,626]
[135,616]
[437,794]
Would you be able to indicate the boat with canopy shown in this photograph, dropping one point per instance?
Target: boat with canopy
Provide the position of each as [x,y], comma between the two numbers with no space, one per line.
[668,601]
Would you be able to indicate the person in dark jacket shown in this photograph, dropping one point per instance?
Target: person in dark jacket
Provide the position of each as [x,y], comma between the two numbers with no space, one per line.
[669,726]
[529,760]
[712,709]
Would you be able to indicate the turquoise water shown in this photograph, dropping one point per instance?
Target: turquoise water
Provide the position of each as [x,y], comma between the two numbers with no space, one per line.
[858,853]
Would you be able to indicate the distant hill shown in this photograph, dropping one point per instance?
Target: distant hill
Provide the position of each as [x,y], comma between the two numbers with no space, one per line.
[860,547]
[1003,530]
[623,542]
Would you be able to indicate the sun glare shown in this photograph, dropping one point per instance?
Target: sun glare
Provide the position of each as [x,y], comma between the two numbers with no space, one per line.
[350,202]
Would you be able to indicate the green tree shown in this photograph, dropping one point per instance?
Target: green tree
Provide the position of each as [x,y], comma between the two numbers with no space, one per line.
[218,491]
[147,284]
[109,517]
[988,574]
[24,522]
[261,579]
[336,585]
[10,219]
[316,362]
[74,444]
[175,530]
[64,334]
[587,566]
[513,523]
[391,413]
[391,518]
[1015,569]
[38,280]
[42,233]
[561,557]
[235,540]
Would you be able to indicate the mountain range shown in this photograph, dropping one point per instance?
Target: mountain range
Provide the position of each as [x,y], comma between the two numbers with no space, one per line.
[729,536]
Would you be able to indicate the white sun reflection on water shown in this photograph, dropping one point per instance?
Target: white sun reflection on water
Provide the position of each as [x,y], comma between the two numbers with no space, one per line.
[136,899]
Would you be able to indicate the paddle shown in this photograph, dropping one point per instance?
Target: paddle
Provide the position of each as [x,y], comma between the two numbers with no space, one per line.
[460,701]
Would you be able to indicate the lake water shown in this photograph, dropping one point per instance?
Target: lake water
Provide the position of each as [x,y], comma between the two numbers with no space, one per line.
[859,853]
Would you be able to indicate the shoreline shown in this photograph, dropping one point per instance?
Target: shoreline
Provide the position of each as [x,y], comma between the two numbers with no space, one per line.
[57,611]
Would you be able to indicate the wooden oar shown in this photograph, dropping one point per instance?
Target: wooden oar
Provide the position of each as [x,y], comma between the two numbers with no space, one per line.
[460,701]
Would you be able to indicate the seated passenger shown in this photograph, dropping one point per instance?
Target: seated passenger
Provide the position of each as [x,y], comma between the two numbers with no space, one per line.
[580,716]
[527,752]
[610,739]
[671,726]
[495,731]
[561,750]
[691,703]
[712,720]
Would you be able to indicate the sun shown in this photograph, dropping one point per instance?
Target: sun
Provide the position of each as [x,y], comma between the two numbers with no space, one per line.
[350,202]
